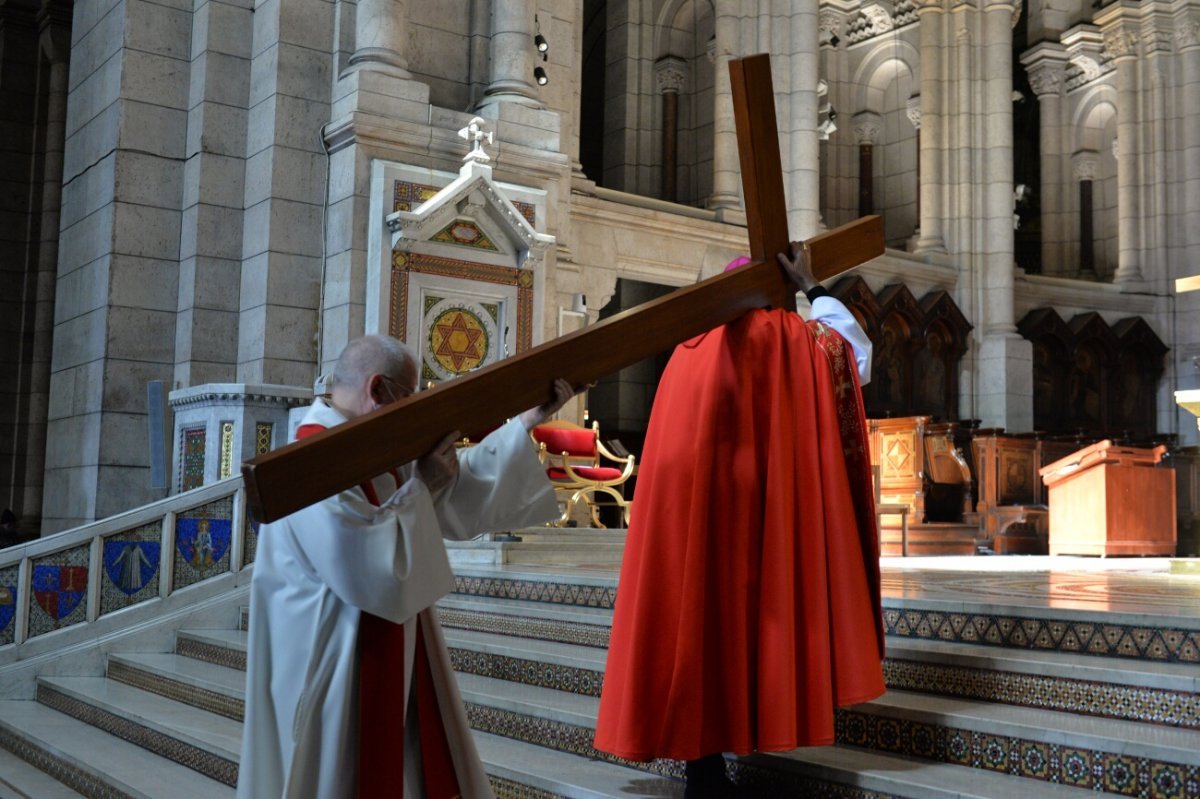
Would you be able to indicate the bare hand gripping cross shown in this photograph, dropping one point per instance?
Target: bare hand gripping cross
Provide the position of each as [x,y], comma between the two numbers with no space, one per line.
[298,475]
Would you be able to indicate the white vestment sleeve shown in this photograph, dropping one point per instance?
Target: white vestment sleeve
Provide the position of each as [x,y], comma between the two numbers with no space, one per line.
[830,310]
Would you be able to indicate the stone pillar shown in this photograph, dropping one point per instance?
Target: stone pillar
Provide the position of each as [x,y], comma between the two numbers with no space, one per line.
[380,37]
[1086,166]
[1187,39]
[867,126]
[913,111]
[798,132]
[1046,65]
[837,204]
[726,172]
[933,89]
[1121,41]
[513,57]
[671,74]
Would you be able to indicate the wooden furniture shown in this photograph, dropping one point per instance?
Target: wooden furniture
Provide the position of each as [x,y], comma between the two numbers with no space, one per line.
[948,489]
[574,458]
[889,509]
[1012,516]
[295,476]
[898,449]
[1110,500]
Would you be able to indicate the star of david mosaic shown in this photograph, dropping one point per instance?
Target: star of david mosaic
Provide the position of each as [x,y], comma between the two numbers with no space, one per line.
[458,340]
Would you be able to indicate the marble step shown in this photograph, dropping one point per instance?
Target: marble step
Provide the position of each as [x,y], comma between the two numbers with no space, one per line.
[535,553]
[20,780]
[565,535]
[217,689]
[518,618]
[94,762]
[543,664]
[200,740]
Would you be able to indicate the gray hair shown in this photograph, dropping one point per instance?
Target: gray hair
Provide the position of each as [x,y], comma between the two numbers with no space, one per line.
[370,355]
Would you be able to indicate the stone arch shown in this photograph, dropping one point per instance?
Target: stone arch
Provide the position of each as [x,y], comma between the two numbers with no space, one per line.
[1096,131]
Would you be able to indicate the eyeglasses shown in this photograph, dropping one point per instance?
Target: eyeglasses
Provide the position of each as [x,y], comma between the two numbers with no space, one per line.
[399,392]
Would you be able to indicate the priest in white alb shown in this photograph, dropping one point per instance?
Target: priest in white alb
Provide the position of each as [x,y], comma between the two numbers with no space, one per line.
[346,664]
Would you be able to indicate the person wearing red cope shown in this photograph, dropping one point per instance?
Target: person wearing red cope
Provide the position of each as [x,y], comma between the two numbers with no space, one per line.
[349,689]
[748,605]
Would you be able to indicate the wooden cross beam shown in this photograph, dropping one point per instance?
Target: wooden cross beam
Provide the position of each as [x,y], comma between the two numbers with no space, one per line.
[300,474]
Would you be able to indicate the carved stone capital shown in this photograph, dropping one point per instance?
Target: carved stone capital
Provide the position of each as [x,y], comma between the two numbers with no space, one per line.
[1086,164]
[867,126]
[1046,79]
[913,110]
[1158,41]
[880,17]
[671,72]
[1187,35]
[1121,43]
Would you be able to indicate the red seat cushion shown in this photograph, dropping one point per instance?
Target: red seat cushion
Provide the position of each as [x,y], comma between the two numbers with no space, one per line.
[559,440]
[598,473]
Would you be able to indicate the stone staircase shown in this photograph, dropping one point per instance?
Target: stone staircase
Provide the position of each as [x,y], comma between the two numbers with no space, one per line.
[982,702]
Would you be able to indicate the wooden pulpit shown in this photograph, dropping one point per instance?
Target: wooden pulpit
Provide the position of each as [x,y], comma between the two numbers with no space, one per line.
[1111,500]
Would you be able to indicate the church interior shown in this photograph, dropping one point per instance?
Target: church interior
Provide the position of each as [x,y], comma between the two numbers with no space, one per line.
[203,201]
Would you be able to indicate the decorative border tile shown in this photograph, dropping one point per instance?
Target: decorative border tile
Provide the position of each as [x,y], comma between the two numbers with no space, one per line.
[9,597]
[1019,757]
[203,698]
[60,769]
[573,680]
[589,596]
[60,585]
[210,765]
[1159,645]
[1086,697]
[211,653]
[593,635]
[507,789]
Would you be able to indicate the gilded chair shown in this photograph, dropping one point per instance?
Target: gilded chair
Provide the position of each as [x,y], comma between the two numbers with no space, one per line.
[575,460]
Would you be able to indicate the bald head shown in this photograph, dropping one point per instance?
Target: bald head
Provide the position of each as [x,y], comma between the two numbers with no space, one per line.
[356,385]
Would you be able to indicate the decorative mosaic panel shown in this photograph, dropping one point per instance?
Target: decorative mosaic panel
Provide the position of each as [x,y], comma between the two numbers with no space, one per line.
[507,789]
[571,679]
[231,707]
[202,542]
[262,437]
[191,465]
[59,590]
[404,264]
[9,596]
[130,574]
[465,234]
[524,627]
[251,537]
[1088,697]
[461,337]
[1110,772]
[592,596]
[1052,635]
[226,449]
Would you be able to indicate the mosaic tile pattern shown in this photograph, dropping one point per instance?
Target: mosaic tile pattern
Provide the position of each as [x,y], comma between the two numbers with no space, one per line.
[59,590]
[226,450]
[70,775]
[558,736]
[263,434]
[211,653]
[769,782]
[227,706]
[590,596]
[130,572]
[1163,645]
[9,597]
[191,469]
[251,541]
[524,627]
[507,789]
[1111,772]
[208,764]
[202,542]
[571,679]
[1086,697]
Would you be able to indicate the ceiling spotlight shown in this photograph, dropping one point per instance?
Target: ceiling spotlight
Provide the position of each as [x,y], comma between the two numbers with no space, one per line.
[541,44]
[540,76]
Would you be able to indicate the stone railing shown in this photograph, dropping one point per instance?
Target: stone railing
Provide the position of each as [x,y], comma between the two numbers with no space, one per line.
[81,577]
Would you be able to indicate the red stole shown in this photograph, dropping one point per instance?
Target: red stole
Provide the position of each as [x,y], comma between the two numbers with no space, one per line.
[381,708]
[748,604]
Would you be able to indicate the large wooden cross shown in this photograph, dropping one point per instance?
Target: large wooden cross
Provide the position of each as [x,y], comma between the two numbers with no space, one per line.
[300,474]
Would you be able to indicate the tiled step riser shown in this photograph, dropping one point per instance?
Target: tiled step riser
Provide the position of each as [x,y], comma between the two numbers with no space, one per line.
[208,764]
[538,673]
[60,768]
[212,701]
[1078,766]
[211,653]
[593,635]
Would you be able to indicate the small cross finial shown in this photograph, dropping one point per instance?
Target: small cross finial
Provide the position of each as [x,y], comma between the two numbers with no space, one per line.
[475,134]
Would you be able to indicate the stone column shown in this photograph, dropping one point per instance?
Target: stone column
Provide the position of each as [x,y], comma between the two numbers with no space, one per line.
[513,56]
[931,15]
[1086,166]
[1187,40]
[798,133]
[1121,41]
[1046,65]
[837,204]
[671,74]
[726,173]
[381,37]
[867,126]
[913,111]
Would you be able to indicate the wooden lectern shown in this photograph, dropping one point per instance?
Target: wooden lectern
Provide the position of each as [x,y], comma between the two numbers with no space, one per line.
[1110,500]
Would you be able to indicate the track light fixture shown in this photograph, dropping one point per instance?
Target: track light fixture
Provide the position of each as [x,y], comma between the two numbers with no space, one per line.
[539,41]
[540,76]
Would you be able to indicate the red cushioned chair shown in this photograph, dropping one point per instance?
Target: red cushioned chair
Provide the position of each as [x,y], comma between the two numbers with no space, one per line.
[572,455]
